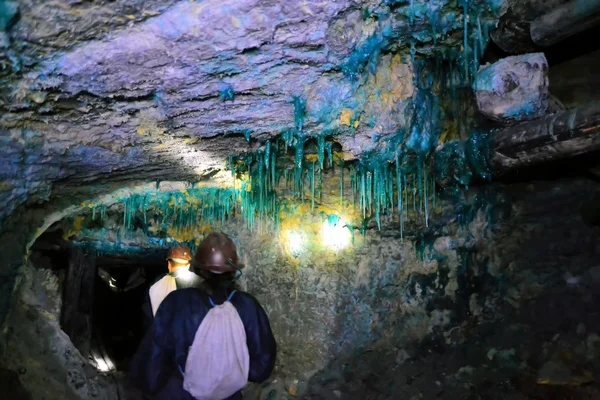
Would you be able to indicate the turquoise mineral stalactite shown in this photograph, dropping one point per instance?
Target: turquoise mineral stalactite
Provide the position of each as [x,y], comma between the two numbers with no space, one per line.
[399,193]
[267,154]
[273,169]
[329,151]
[321,150]
[299,113]
[288,138]
[377,191]
[321,158]
[125,215]
[298,165]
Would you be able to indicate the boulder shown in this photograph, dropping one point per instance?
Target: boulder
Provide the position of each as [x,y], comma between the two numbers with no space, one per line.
[514,88]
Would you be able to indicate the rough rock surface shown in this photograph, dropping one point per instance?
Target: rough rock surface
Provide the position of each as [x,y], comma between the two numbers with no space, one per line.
[137,86]
[128,91]
[514,88]
[48,364]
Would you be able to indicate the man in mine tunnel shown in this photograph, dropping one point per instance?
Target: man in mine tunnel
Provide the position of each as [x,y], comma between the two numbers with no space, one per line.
[207,342]
[178,277]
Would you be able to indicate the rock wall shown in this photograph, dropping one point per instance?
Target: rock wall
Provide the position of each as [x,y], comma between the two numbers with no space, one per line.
[49,367]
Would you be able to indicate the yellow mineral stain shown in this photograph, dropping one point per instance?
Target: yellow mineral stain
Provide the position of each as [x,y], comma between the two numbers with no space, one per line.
[188,233]
[345,117]
[140,131]
[160,147]
[75,228]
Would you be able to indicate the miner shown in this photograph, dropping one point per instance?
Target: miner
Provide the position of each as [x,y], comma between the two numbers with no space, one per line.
[179,276]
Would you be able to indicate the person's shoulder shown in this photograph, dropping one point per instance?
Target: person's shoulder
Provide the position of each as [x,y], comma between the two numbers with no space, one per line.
[190,302]
[188,293]
[186,297]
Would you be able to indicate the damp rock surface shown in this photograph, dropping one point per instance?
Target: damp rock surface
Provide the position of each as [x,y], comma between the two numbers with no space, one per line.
[514,88]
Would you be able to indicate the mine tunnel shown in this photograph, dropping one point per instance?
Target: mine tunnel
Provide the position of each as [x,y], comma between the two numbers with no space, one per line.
[412,189]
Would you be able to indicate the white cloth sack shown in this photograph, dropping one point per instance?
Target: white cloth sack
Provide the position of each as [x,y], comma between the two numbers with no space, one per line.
[218,362]
[160,290]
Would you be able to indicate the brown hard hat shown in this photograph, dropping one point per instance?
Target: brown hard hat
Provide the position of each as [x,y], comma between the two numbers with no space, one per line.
[217,253]
[180,254]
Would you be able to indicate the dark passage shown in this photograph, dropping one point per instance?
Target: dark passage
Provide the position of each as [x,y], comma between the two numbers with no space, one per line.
[102,300]
[118,321]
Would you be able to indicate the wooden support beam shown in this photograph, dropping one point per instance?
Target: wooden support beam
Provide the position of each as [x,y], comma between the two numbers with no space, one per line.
[552,137]
[78,297]
[512,33]
[564,21]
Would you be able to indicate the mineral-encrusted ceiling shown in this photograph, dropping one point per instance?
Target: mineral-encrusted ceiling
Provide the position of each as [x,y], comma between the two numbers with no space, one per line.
[99,92]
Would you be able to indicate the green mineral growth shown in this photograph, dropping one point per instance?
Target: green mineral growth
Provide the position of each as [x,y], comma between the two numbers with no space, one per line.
[226,92]
[399,193]
[321,159]
[8,14]
[267,154]
[479,153]
[329,151]
[321,150]
[299,164]
[299,113]
[180,209]
[366,54]
[247,134]
[408,170]
[273,169]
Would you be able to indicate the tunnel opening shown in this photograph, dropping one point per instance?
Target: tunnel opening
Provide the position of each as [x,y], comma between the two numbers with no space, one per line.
[103,296]
[119,321]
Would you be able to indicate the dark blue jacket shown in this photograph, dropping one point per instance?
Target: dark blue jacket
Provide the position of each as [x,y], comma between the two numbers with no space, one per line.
[195,281]
[155,367]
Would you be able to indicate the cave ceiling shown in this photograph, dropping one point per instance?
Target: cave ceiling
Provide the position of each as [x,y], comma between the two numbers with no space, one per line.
[97,94]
